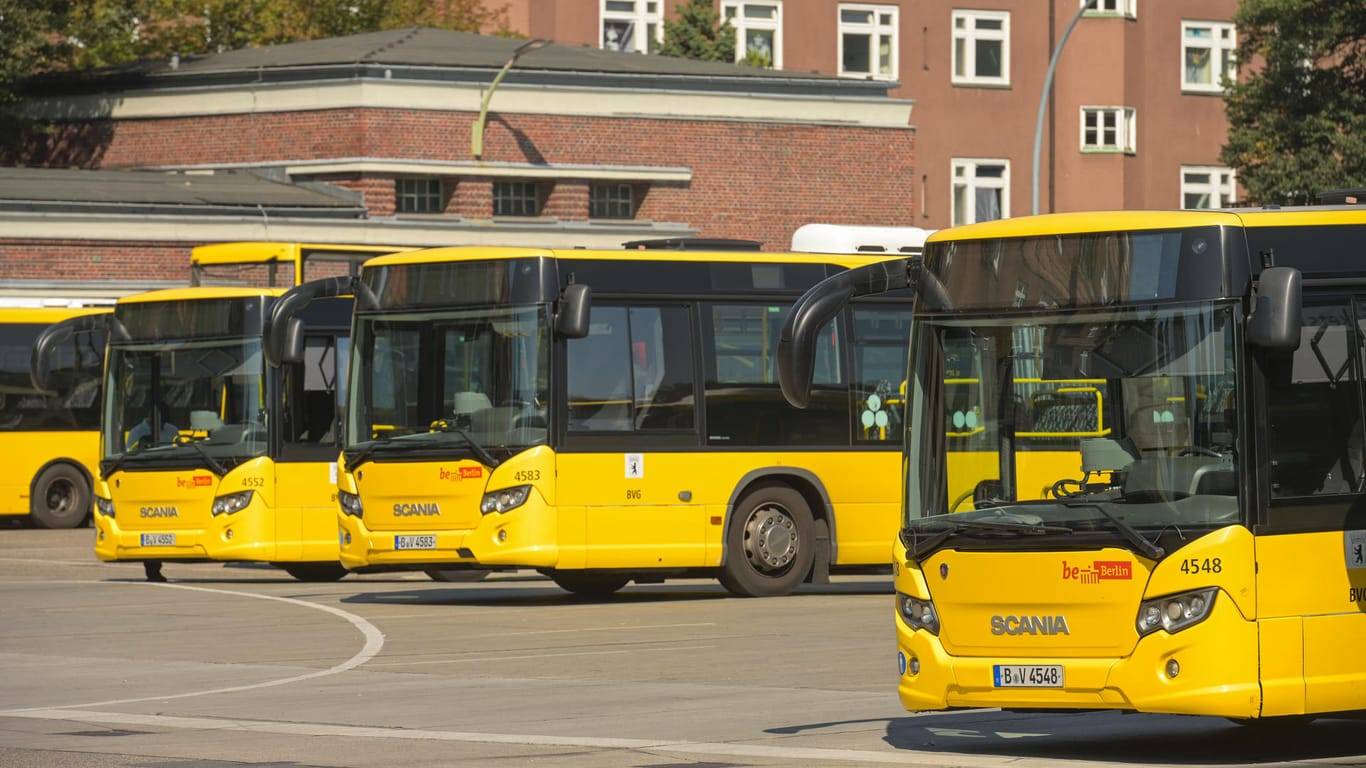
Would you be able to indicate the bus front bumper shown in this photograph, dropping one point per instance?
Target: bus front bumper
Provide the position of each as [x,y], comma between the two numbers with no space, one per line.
[1207,669]
[526,537]
[247,535]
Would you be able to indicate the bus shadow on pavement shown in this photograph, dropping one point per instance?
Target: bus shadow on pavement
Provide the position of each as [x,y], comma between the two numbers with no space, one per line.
[1126,738]
[534,590]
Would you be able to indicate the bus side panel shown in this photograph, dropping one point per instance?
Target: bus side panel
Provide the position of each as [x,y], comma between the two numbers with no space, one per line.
[864,490]
[641,510]
[27,453]
[1307,574]
[306,511]
[1281,657]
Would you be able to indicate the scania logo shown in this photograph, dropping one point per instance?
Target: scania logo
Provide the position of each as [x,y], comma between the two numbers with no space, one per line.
[159,512]
[407,510]
[1029,625]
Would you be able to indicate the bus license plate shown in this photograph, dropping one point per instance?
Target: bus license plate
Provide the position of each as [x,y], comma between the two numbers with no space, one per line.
[1027,675]
[158,539]
[414,542]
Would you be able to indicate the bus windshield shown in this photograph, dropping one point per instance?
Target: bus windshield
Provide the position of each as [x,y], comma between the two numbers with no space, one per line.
[1069,421]
[207,398]
[463,381]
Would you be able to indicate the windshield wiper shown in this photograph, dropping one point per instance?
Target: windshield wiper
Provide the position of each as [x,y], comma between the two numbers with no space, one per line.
[1131,534]
[479,450]
[209,461]
[364,453]
[1029,526]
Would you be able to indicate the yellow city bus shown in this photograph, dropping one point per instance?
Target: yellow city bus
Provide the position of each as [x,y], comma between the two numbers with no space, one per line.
[208,454]
[613,415]
[1205,554]
[49,435]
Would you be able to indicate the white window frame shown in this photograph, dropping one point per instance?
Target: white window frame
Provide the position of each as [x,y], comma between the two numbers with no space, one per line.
[1120,120]
[966,35]
[1127,9]
[1219,47]
[646,15]
[964,175]
[886,22]
[734,11]
[1220,189]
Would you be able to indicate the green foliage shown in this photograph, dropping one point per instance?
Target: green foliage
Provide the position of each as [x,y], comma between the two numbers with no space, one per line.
[699,33]
[1297,120]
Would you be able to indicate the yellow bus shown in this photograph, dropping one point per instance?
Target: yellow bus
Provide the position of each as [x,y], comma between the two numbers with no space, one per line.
[49,435]
[1205,555]
[606,416]
[208,454]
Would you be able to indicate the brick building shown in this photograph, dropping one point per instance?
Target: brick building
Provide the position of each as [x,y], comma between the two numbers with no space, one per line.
[1135,118]
[580,147]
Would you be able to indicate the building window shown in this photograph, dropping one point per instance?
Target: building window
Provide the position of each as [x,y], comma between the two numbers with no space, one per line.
[632,25]
[758,32]
[1107,129]
[516,198]
[1126,8]
[1207,55]
[981,190]
[1206,186]
[611,201]
[868,41]
[981,48]
[418,196]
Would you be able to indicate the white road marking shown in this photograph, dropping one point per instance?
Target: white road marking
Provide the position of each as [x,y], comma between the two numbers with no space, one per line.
[823,755]
[374,641]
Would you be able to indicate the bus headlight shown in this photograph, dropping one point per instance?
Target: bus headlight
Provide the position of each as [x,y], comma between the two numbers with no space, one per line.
[1175,612]
[350,503]
[104,506]
[917,613]
[230,503]
[504,500]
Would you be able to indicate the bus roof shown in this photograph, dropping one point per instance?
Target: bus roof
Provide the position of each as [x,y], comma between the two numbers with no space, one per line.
[1111,221]
[471,252]
[272,253]
[200,292]
[47,314]
[849,238]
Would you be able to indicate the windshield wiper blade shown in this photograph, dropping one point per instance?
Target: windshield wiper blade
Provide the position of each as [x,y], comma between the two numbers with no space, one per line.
[209,461]
[480,451]
[918,548]
[1130,533]
[364,453]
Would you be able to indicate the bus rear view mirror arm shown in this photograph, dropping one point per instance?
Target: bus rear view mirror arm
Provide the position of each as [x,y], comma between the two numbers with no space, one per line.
[1276,312]
[57,334]
[823,301]
[284,330]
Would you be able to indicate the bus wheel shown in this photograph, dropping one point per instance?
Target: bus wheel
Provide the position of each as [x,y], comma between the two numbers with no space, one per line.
[769,543]
[314,571]
[61,498]
[588,583]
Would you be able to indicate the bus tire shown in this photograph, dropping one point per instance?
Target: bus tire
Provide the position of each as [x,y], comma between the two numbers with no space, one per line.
[315,571]
[770,543]
[60,497]
[588,583]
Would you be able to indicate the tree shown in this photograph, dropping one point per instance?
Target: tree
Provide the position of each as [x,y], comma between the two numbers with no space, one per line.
[1297,119]
[699,33]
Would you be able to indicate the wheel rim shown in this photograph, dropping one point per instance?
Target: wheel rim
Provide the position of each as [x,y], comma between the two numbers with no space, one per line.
[771,538]
[60,496]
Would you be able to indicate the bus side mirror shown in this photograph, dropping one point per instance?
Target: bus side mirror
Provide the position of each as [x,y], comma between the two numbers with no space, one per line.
[571,319]
[1276,316]
[292,343]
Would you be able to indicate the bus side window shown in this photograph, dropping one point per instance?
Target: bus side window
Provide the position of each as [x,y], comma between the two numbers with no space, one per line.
[1314,410]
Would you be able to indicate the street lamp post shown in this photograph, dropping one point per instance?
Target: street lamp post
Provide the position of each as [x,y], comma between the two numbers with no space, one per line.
[477,132]
[1048,86]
